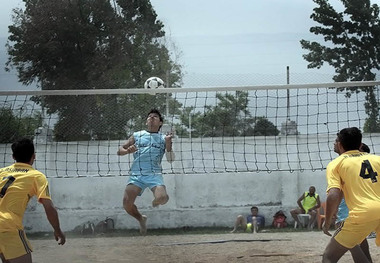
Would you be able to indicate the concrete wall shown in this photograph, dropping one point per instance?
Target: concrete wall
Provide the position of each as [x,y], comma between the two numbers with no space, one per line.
[196,199]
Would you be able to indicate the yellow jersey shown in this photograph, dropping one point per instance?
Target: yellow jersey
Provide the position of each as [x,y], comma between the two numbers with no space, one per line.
[356,174]
[309,201]
[18,183]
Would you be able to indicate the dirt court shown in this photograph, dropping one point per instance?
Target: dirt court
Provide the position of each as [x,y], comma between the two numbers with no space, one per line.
[240,247]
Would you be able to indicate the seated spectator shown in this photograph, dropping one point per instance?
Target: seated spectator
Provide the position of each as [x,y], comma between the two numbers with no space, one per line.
[308,203]
[250,223]
[279,220]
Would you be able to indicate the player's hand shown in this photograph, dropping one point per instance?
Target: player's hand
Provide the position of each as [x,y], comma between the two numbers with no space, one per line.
[168,137]
[325,228]
[132,149]
[60,237]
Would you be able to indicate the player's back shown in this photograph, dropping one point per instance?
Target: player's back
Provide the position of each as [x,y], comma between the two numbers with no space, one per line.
[359,174]
[17,186]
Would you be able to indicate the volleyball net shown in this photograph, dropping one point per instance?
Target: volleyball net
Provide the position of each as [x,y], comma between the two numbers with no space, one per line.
[216,129]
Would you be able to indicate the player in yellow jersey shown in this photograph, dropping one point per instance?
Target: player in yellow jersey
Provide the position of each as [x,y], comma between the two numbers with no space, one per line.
[353,174]
[18,183]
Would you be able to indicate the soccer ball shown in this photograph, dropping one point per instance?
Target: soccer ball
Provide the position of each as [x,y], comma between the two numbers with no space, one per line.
[154,83]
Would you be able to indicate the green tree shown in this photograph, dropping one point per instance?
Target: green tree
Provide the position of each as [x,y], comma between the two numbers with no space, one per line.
[91,44]
[352,44]
[230,117]
[16,124]
[263,127]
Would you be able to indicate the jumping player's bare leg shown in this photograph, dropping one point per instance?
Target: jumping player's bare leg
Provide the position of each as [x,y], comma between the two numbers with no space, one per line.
[130,194]
[160,195]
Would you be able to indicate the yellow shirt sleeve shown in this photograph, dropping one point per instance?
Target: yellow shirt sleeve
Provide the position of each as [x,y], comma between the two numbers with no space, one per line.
[332,174]
[41,187]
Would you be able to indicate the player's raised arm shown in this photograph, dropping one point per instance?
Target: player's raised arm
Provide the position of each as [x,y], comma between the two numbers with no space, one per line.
[170,156]
[127,147]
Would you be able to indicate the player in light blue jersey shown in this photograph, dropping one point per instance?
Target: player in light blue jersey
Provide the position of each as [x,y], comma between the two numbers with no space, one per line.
[148,148]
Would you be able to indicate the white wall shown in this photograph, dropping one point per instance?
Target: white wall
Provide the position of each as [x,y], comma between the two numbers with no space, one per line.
[195,199]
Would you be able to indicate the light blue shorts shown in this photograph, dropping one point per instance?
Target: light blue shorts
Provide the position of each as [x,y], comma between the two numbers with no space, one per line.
[144,181]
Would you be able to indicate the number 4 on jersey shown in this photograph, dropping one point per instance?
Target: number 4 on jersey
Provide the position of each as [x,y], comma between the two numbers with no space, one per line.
[6,185]
[367,172]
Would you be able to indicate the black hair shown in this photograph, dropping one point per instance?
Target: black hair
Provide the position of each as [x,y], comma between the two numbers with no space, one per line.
[254,207]
[23,150]
[364,148]
[157,112]
[350,138]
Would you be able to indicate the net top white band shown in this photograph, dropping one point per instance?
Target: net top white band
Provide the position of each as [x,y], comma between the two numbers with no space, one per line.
[183,90]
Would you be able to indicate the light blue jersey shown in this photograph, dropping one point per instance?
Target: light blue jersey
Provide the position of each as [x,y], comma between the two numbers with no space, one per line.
[148,157]
[342,212]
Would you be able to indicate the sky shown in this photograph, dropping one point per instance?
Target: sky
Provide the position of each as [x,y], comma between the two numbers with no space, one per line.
[240,36]
[232,40]
[224,42]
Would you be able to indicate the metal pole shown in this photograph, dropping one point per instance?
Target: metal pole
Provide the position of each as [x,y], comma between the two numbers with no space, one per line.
[167,94]
[190,125]
[288,94]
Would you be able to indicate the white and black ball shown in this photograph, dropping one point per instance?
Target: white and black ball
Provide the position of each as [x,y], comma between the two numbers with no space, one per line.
[154,83]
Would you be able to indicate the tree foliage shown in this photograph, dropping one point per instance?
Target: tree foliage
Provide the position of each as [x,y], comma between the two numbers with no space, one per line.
[91,44]
[16,124]
[263,127]
[229,117]
[351,46]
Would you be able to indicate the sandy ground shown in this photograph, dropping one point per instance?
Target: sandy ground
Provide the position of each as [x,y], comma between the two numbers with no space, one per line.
[240,247]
